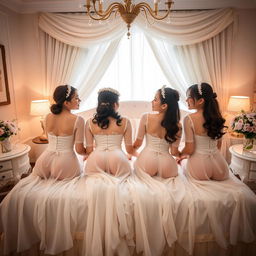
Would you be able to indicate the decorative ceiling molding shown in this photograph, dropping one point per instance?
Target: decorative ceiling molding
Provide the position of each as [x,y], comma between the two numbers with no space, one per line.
[32,6]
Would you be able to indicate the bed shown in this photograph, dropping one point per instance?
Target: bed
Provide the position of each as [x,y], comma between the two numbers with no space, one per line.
[102,215]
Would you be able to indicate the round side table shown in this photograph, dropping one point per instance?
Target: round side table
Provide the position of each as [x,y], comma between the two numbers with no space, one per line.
[243,163]
[13,164]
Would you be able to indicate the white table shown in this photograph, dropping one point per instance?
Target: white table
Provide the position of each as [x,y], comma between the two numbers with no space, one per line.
[13,164]
[243,163]
[227,141]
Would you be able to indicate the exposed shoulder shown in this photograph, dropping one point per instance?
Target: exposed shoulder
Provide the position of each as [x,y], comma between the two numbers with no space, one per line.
[89,120]
[79,118]
[125,120]
[48,116]
[188,117]
[145,115]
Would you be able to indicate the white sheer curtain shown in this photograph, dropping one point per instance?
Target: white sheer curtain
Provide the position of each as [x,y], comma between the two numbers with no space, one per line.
[134,71]
[59,59]
[80,51]
[91,66]
[185,28]
[208,61]
[79,30]
[189,27]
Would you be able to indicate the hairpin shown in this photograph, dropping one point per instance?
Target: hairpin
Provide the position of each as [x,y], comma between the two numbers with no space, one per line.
[108,89]
[68,91]
[163,91]
[104,103]
[199,88]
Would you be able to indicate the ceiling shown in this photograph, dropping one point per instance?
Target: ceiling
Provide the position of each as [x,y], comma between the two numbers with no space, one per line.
[32,6]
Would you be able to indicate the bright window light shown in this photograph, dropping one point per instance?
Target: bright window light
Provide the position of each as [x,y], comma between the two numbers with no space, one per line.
[134,72]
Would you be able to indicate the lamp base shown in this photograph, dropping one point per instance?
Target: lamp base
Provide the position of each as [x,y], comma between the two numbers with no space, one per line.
[40,140]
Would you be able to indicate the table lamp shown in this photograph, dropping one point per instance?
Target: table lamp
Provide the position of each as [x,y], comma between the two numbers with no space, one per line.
[238,103]
[40,108]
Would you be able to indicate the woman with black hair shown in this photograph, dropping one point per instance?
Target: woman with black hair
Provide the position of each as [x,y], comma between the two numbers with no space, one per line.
[64,130]
[150,188]
[203,131]
[107,128]
[163,132]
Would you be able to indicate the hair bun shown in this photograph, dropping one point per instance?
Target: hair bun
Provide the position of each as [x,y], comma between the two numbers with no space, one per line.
[214,95]
[56,108]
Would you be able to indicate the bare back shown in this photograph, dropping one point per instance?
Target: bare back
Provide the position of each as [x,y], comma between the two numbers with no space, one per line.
[197,122]
[60,125]
[154,127]
[113,128]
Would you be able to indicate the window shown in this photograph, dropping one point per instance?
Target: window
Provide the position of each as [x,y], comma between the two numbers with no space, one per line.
[134,71]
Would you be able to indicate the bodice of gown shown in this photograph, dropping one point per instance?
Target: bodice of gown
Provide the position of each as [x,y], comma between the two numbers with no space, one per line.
[205,145]
[108,142]
[157,144]
[60,143]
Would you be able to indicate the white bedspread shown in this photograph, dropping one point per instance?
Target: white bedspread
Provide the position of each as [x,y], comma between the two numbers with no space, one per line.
[103,215]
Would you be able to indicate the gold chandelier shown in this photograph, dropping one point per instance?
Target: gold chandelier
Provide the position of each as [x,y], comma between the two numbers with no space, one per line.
[127,10]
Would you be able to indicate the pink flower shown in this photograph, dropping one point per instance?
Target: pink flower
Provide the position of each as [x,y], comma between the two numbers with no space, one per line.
[238,126]
[247,128]
[1,131]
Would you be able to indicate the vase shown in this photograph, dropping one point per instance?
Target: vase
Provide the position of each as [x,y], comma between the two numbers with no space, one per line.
[248,144]
[6,145]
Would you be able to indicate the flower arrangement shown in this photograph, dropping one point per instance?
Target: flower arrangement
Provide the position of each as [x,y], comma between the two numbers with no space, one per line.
[7,129]
[245,123]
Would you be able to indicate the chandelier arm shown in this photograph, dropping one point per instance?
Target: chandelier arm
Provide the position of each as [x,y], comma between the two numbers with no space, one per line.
[104,16]
[100,18]
[110,9]
[147,7]
[94,18]
[144,10]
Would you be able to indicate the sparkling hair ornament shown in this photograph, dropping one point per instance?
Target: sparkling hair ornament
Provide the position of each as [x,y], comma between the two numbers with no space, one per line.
[108,89]
[199,88]
[163,91]
[68,91]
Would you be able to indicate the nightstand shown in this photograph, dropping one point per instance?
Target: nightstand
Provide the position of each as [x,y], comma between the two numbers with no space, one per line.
[243,163]
[227,141]
[12,165]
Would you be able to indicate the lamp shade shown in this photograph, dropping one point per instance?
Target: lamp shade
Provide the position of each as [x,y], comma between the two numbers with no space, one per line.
[238,103]
[39,107]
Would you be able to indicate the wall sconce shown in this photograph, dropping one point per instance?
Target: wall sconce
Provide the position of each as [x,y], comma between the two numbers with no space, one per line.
[40,108]
[239,103]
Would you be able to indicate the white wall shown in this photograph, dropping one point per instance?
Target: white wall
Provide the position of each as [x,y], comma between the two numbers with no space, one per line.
[18,32]
[243,70]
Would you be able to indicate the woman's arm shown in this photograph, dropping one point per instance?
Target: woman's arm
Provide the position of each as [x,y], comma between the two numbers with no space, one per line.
[174,147]
[189,139]
[128,139]
[89,138]
[79,136]
[141,132]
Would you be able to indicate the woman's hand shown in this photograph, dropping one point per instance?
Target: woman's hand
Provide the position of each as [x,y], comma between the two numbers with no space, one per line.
[182,157]
[85,157]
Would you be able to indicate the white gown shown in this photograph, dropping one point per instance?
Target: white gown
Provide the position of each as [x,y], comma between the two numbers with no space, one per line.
[106,167]
[59,160]
[103,214]
[228,205]
[155,231]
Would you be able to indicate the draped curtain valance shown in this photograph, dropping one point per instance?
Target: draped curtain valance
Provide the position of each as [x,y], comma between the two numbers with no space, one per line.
[184,28]
[194,46]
